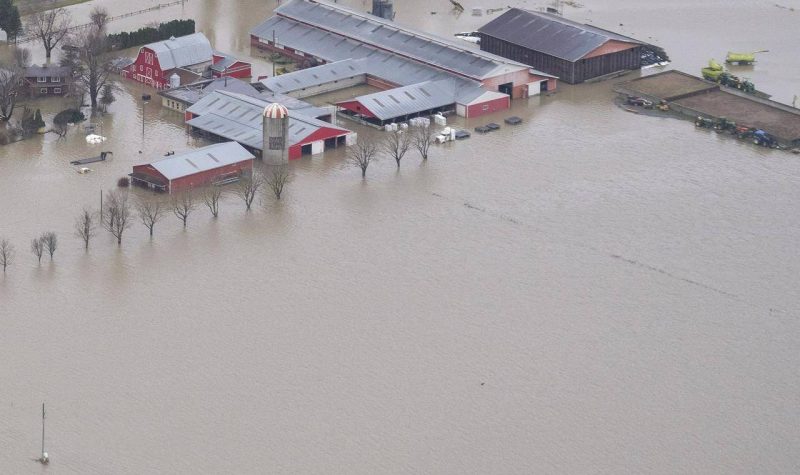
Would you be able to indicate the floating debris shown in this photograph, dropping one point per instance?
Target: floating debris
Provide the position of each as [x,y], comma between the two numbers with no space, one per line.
[513,120]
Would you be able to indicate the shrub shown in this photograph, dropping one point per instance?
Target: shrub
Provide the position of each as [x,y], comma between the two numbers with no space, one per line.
[69,116]
[124,182]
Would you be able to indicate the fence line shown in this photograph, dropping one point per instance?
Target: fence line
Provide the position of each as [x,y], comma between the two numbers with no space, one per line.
[26,39]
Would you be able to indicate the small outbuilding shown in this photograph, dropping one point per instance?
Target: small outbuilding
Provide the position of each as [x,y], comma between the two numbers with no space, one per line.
[215,164]
[575,52]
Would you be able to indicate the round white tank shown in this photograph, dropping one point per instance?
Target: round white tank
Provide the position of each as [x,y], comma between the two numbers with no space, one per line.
[174,81]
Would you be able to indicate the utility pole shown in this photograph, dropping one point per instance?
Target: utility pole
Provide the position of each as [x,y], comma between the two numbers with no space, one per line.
[44,459]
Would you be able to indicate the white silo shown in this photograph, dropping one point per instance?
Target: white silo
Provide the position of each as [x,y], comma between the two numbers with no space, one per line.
[276,129]
[174,81]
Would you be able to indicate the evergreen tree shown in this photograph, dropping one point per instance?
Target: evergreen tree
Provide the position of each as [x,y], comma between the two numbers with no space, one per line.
[10,21]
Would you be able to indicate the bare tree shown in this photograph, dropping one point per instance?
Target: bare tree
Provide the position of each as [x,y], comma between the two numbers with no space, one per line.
[50,241]
[211,196]
[37,248]
[277,180]
[93,66]
[183,204]
[423,138]
[99,18]
[85,227]
[248,186]
[151,210]
[397,144]
[50,26]
[6,253]
[10,84]
[116,215]
[361,154]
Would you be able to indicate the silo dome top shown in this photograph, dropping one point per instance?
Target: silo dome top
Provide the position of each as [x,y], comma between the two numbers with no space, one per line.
[275,111]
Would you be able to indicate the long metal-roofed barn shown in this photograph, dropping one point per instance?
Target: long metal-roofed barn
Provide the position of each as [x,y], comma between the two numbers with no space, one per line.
[214,164]
[572,51]
[230,116]
[356,48]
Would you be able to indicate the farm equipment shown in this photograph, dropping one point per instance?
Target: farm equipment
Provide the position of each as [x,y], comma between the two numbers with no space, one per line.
[725,125]
[742,58]
[639,102]
[764,139]
[715,72]
[704,123]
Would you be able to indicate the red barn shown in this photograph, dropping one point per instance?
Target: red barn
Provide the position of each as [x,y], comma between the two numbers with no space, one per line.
[216,164]
[223,65]
[187,55]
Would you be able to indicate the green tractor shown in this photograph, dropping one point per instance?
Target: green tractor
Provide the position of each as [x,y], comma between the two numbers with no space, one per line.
[704,123]
[725,125]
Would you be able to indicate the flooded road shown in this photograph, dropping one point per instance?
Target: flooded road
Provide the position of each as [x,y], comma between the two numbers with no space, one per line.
[591,291]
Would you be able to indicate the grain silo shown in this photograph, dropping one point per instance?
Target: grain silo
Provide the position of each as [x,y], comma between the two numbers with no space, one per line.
[276,129]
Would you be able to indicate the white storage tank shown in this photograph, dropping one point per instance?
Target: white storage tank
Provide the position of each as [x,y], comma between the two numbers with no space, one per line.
[174,81]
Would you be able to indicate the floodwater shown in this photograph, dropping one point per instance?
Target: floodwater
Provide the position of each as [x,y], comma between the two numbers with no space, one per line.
[590,292]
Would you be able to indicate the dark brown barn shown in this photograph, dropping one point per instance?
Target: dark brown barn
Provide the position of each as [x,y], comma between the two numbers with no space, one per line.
[572,51]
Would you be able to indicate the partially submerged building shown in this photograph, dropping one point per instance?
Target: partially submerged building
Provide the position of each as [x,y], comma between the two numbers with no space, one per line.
[224,115]
[215,164]
[354,48]
[183,60]
[573,51]
[47,80]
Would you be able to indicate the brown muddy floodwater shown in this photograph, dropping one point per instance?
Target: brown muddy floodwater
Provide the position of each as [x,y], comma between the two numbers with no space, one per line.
[590,292]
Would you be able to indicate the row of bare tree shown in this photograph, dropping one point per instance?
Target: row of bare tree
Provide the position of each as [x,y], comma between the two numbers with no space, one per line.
[118,213]
[395,145]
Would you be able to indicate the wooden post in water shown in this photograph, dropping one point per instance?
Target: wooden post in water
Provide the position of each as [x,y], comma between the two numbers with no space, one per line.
[44,458]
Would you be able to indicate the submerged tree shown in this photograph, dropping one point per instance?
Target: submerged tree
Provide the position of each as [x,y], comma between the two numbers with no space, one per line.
[211,196]
[6,253]
[116,214]
[248,186]
[397,144]
[50,26]
[10,86]
[150,212]
[361,154]
[99,18]
[183,204]
[37,248]
[93,66]
[10,21]
[107,96]
[85,227]
[277,180]
[50,241]
[423,139]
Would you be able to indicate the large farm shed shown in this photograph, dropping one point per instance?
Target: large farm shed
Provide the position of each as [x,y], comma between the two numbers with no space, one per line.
[215,164]
[573,51]
[229,116]
[353,48]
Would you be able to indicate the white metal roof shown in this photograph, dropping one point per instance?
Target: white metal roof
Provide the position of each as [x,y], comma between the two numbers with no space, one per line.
[409,100]
[182,51]
[201,159]
[377,32]
[238,117]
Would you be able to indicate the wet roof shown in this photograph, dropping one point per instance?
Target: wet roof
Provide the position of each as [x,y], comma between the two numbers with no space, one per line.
[239,117]
[201,159]
[49,71]
[550,34]
[337,33]
[304,78]
[408,100]
[182,51]
[191,93]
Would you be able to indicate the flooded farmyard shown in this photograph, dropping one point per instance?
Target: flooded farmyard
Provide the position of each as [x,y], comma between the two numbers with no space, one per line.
[589,291]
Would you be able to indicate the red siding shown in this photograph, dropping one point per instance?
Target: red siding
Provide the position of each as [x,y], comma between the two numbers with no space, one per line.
[494,105]
[138,71]
[196,179]
[357,107]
